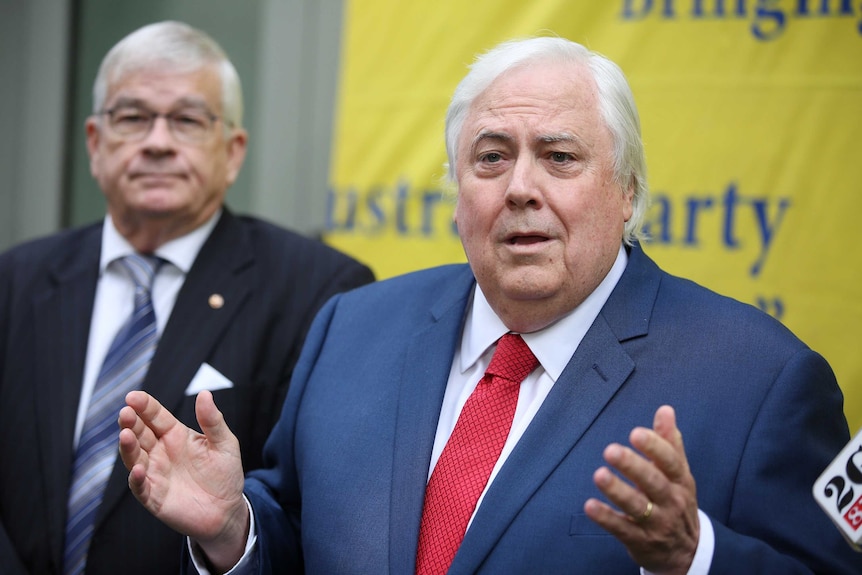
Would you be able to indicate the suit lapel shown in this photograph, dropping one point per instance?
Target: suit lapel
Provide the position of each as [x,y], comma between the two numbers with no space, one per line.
[195,326]
[61,316]
[222,268]
[428,360]
[592,377]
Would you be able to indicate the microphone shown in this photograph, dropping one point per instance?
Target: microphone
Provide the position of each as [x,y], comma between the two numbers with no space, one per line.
[838,491]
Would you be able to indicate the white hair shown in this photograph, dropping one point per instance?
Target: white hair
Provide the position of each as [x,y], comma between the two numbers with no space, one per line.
[178,47]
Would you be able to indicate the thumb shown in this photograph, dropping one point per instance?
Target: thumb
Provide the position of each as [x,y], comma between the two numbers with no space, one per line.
[211,419]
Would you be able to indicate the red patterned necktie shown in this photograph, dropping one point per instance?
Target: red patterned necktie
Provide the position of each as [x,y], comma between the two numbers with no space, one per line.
[470,454]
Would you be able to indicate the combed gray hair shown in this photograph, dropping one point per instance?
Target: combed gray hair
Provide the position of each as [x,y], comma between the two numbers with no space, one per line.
[616,104]
[177,46]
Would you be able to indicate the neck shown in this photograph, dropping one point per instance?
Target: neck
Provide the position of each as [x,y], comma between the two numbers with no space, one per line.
[147,233]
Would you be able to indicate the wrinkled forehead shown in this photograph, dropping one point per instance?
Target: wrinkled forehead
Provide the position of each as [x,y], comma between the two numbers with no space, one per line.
[165,81]
[552,97]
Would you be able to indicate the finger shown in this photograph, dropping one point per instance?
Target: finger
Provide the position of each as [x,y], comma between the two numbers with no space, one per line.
[132,429]
[130,449]
[153,414]
[211,419]
[663,445]
[614,522]
[136,461]
[138,484]
[629,499]
[637,469]
[664,424]
[128,419]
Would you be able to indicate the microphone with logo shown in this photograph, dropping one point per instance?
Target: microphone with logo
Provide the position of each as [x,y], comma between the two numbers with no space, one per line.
[838,490]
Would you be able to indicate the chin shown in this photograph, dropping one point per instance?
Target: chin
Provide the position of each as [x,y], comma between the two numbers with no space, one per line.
[160,200]
[529,285]
[157,210]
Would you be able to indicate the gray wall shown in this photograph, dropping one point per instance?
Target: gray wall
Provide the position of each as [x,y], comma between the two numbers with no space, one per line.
[286,52]
[33,63]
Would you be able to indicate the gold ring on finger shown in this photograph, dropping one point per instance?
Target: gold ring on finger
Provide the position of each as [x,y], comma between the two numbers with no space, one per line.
[645,515]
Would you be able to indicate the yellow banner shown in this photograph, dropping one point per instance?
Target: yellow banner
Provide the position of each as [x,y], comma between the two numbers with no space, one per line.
[751,115]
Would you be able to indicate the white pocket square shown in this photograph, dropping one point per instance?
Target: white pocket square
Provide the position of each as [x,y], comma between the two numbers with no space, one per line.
[209,378]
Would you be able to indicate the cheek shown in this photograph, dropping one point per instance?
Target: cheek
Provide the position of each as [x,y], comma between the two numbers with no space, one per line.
[462,222]
[119,158]
[110,166]
[474,224]
[209,166]
[590,224]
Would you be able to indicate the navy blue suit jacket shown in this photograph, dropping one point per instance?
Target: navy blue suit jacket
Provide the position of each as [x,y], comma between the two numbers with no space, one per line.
[761,416]
[273,282]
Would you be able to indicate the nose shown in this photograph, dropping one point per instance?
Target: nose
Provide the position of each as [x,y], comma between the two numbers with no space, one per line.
[159,140]
[524,186]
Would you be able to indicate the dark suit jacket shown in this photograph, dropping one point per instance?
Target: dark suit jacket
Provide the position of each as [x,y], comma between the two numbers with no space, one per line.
[273,282]
[761,416]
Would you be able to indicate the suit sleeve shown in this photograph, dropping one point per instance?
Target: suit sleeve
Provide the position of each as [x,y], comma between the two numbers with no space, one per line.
[797,430]
[274,492]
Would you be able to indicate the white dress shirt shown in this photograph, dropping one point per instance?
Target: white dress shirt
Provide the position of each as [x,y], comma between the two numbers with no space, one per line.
[115,294]
[553,346]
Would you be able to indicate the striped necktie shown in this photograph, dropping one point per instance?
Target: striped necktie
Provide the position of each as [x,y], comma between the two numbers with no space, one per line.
[123,370]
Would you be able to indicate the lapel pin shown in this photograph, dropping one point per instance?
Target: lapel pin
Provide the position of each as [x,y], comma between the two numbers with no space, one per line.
[216,301]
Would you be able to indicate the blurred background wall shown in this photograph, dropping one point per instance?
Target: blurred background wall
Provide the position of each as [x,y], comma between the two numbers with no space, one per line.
[286,53]
[751,113]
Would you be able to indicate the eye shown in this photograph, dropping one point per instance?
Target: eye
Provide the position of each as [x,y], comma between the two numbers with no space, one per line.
[491,157]
[561,157]
[130,116]
[193,120]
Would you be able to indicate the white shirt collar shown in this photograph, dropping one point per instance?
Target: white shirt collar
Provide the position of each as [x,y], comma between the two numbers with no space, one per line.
[181,251]
[554,345]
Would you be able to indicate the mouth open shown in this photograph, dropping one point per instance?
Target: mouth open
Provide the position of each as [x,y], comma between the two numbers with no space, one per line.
[526,240]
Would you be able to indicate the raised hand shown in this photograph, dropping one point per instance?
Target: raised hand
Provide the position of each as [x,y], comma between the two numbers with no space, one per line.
[192,482]
[657,512]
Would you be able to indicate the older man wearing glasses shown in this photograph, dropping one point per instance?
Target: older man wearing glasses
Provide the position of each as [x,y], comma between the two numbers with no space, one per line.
[170,293]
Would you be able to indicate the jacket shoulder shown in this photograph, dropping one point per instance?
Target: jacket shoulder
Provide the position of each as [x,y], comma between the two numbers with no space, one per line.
[59,251]
[272,240]
[53,246]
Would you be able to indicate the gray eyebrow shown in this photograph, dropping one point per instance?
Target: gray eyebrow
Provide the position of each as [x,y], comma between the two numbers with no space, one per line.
[125,101]
[185,102]
[489,135]
[561,137]
[542,139]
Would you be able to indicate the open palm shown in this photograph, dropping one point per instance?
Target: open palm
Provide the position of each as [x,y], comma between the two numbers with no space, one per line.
[191,481]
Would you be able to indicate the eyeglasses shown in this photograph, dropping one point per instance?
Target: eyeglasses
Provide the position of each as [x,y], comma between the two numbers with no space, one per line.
[189,125]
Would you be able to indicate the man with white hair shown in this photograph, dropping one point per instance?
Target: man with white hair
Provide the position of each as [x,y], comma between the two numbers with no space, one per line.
[171,293]
[474,418]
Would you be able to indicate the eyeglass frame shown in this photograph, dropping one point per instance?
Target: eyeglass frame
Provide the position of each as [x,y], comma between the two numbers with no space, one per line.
[170,118]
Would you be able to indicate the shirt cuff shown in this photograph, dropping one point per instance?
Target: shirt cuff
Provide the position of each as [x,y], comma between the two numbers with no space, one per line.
[245,563]
[705,548]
